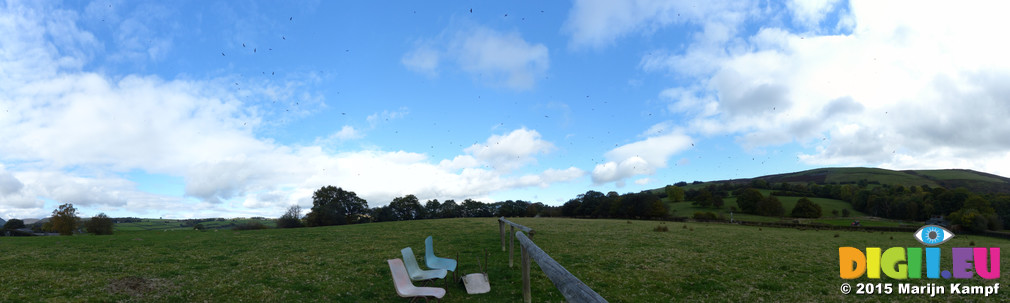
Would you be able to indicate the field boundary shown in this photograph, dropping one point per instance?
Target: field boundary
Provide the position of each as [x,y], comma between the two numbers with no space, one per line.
[512,229]
[570,286]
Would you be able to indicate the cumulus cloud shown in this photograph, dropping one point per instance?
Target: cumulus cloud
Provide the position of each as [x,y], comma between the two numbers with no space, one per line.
[640,157]
[598,23]
[496,58]
[510,151]
[919,89]
[72,136]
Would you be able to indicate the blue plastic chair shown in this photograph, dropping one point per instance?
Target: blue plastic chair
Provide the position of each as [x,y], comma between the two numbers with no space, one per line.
[415,271]
[436,262]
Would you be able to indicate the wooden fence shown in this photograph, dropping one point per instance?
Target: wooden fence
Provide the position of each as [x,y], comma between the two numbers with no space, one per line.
[571,287]
[512,229]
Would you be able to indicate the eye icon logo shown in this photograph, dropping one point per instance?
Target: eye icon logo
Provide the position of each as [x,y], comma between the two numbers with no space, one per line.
[932,235]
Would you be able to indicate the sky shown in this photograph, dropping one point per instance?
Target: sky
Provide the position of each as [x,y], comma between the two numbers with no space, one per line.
[193,109]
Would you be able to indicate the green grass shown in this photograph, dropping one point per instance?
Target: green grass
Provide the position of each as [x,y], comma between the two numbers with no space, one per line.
[955,174]
[623,262]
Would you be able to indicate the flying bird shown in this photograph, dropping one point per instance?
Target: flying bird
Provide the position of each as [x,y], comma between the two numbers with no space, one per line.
[243,44]
[222,54]
[254,50]
[291,18]
[283,38]
[471,11]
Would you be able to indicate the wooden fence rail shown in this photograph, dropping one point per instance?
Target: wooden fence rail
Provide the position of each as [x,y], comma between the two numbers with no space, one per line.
[571,287]
[512,229]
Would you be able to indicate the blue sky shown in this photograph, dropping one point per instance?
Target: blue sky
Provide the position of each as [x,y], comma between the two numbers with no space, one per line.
[223,109]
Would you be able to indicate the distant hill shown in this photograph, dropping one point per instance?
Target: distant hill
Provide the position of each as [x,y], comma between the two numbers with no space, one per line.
[978,182]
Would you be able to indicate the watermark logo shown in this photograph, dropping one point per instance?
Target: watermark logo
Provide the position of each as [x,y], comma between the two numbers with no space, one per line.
[901,263]
[907,263]
[932,235]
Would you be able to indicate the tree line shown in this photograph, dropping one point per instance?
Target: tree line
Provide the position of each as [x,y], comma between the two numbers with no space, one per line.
[64,221]
[336,206]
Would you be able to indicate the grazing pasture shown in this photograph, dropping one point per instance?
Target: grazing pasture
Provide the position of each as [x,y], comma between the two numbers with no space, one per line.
[624,261]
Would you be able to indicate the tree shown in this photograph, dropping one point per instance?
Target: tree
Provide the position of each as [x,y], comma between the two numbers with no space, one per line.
[569,208]
[14,224]
[675,193]
[406,208]
[511,208]
[449,209]
[748,200]
[981,204]
[65,219]
[704,198]
[335,206]
[770,206]
[845,212]
[292,218]
[534,209]
[383,214]
[431,209]
[716,201]
[806,209]
[657,209]
[474,208]
[99,225]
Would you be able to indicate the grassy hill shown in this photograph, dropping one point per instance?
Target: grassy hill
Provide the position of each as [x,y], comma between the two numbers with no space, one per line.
[624,261]
[978,182]
[950,178]
[686,209]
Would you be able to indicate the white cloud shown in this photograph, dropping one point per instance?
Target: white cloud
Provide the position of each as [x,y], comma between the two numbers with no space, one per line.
[386,115]
[809,13]
[640,157]
[598,23]
[924,88]
[423,59]
[492,57]
[346,133]
[9,184]
[510,151]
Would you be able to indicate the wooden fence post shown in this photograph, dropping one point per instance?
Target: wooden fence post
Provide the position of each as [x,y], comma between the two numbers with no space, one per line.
[512,236]
[501,233]
[527,296]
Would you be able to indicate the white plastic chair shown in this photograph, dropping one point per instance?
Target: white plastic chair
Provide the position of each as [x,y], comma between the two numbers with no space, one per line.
[406,289]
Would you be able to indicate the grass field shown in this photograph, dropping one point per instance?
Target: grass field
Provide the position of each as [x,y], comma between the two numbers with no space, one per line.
[622,261]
